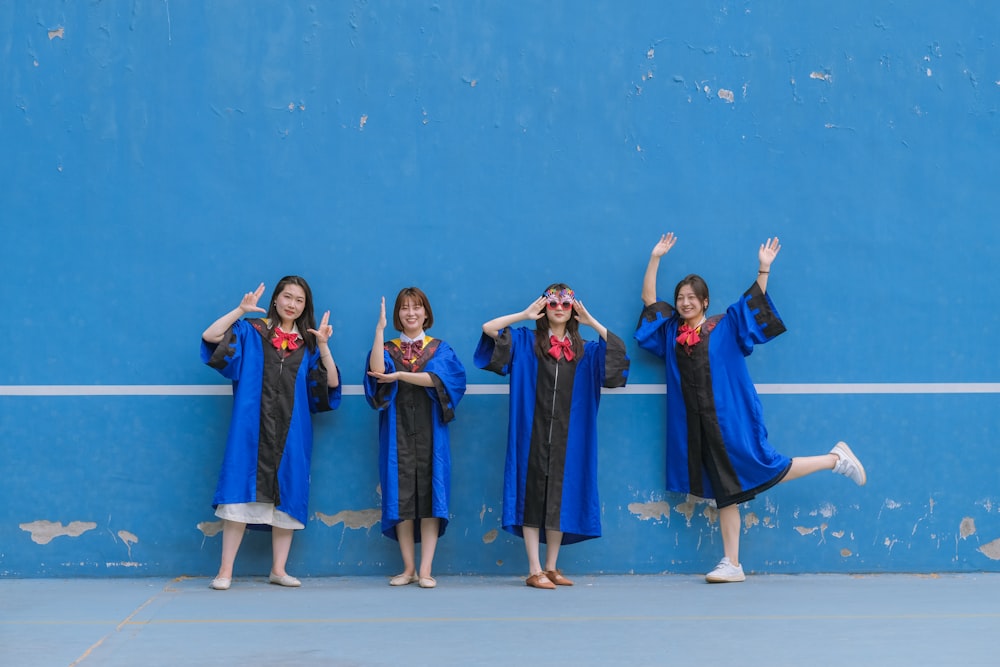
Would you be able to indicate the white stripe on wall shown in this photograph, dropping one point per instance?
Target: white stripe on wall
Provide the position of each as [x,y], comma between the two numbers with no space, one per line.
[500,389]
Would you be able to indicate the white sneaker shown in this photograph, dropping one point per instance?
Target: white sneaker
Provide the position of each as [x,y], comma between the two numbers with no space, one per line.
[848,464]
[725,572]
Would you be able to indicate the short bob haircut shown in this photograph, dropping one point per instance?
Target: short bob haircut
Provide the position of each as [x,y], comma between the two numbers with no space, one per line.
[698,286]
[414,294]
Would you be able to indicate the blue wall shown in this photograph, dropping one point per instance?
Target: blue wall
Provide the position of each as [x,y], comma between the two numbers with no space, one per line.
[162,158]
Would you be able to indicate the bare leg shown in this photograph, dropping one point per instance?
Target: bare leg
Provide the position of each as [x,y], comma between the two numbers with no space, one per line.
[729,523]
[281,544]
[807,465]
[553,540]
[428,543]
[404,534]
[531,547]
[232,537]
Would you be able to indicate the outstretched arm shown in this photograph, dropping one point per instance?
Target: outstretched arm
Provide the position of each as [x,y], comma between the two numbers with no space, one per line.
[217,331]
[533,312]
[768,251]
[662,247]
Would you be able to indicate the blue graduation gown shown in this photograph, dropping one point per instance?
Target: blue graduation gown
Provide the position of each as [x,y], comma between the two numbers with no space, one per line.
[551,463]
[439,403]
[269,445]
[717,443]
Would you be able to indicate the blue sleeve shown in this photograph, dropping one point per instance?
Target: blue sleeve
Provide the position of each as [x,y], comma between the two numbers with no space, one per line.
[322,397]
[755,319]
[653,330]
[227,355]
[380,395]
[448,375]
[494,354]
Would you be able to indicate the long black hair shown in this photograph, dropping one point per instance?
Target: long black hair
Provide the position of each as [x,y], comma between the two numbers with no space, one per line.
[306,320]
[542,343]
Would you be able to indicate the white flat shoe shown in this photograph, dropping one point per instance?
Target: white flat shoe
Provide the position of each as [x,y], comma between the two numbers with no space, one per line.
[221,583]
[284,580]
[404,579]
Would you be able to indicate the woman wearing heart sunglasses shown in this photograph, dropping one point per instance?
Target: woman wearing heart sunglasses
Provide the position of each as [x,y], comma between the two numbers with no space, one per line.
[717,444]
[282,371]
[415,382]
[550,476]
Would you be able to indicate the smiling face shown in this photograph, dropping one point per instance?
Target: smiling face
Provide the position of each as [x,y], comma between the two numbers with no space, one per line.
[411,315]
[290,303]
[691,299]
[559,300]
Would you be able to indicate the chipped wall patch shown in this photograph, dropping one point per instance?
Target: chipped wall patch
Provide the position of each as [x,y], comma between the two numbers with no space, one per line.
[967,527]
[43,532]
[211,528]
[659,509]
[802,530]
[363,122]
[822,76]
[59,32]
[352,518]
[846,553]
[991,549]
[749,521]
[726,95]
[490,537]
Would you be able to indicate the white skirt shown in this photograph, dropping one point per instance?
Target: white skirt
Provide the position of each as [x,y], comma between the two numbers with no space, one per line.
[258,513]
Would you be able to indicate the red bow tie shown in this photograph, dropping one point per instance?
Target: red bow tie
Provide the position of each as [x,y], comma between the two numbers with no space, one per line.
[411,350]
[689,335]
[284,340]
[561,348]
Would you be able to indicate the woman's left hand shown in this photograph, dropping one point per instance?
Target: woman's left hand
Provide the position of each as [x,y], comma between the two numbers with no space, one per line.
[582,314]
[385,378]
[324,331]
[768,251]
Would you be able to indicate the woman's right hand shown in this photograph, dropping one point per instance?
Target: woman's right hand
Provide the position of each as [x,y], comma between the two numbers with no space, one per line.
[250,299]
[536,310]
[381,318]
[664,245]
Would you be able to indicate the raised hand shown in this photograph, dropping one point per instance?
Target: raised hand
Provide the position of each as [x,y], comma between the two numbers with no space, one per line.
[250,299]
[536,310]
[664,245]
[324,331]
[381,318]
[768,251]
[582,314]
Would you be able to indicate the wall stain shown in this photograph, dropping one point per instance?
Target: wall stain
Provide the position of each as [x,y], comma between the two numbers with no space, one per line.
[659,509]
[490,537]
[43,532]
[352,518]
[967,527]
[991,549]
[210,528]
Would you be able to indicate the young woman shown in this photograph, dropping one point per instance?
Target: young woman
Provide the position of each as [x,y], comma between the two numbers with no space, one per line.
[282,370]
[415,382]
[550,476]
[717,443]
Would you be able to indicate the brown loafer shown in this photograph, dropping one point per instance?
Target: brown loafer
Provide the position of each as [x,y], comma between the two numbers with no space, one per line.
[557,578]
[539,581]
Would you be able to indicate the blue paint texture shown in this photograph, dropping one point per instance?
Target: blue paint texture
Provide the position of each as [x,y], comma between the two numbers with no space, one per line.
[164,157]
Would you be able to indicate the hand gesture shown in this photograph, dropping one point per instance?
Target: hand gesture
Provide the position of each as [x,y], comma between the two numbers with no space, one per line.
[582,314]
[250,299]
[664,245]
[384,378]
[536,310]
[381,318]
[768,251]
[324,331]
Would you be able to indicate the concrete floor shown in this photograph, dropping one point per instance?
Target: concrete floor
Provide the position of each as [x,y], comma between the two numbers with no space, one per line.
[603,620]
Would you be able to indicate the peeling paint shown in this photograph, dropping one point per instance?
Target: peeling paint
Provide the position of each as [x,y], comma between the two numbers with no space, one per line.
[482,513]
[749,521]
[659,509]
[802,530]
[649,54]
[129,539]
[43,532]
[838,534]
[991,549]
[211,528]
[822,76]
[59,32]
[825,510]
[363,122]
[352,518]
[845,553]
[726,95]
[490,537]
[710,513]
[967,527]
